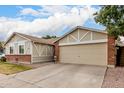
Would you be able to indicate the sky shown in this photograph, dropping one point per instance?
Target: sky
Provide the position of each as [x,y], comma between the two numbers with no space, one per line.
[45,20]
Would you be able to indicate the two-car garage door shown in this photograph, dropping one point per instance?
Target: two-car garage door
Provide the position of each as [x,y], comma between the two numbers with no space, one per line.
[92,54]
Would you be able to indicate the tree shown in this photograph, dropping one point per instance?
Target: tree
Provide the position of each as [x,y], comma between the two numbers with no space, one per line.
[112,17]
[49,37]
[1,47]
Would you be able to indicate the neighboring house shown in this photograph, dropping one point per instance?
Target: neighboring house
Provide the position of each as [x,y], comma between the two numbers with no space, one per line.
[28,49]
[83,46]
[120,51]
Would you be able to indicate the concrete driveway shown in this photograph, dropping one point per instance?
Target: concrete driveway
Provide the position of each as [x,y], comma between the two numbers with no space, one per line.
[57,76]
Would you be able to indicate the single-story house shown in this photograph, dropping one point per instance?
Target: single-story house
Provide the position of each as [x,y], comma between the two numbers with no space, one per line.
[28,49]
[81,45]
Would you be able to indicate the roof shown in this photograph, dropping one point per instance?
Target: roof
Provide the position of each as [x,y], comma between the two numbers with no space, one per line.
[83,28]
[53,39]
[32,38]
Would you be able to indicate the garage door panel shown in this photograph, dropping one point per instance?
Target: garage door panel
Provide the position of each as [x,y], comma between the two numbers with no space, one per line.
[93,54]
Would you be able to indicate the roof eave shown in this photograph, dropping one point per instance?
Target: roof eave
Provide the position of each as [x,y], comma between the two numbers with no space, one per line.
[43,43]
[25,38]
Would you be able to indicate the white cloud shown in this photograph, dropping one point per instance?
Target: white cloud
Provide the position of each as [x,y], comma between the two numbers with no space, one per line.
[44,10]
[29,11]
[59,20]
[55,9]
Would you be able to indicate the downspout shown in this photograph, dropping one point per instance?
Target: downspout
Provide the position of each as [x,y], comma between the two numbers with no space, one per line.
[56,53]
[31,51]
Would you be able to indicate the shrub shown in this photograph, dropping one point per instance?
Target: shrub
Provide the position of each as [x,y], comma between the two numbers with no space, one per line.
[3,59]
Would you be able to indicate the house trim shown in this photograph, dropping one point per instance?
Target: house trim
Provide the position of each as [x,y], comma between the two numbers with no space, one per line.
[86,42]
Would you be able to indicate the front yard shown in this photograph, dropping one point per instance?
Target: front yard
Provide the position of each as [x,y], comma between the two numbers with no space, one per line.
[9,68]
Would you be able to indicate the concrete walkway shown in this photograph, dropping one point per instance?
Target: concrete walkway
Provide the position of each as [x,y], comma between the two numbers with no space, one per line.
[56,76]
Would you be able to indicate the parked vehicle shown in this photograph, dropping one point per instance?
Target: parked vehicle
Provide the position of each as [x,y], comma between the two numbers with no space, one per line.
[2,55]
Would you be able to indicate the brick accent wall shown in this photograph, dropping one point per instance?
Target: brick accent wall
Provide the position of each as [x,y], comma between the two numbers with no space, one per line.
[19,58]
[111,51]
[57,52]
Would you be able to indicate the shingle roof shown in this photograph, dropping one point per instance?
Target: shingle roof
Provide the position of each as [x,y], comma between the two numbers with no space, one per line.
[32,38]
[53,39]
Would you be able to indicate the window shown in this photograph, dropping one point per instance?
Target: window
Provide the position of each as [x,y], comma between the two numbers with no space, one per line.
[21,49]
[11,50]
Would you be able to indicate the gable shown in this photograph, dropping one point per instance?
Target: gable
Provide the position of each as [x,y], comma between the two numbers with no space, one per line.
[15,38]
[83,36]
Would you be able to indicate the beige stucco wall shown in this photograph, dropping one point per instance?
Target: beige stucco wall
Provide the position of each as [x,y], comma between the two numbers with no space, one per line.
[42,53]
[97,36]
[91,54]
[15,41]
[79,33]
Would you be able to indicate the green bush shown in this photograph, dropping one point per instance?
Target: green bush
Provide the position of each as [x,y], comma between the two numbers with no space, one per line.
[3,59]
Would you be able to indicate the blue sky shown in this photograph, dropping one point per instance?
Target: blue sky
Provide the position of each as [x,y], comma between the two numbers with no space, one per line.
[13,10]
[42,20]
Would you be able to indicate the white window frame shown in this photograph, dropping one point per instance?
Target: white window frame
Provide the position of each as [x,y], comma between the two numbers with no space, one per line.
[19,49]
[11,45]
[10,50]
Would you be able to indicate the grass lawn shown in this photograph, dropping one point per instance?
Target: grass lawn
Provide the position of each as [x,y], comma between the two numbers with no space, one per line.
[9,68]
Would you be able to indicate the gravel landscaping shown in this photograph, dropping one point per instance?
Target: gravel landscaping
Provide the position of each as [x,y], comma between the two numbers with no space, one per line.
[114,78]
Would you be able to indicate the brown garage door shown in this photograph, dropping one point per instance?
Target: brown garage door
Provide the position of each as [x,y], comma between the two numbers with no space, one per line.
[92,54]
